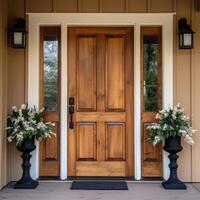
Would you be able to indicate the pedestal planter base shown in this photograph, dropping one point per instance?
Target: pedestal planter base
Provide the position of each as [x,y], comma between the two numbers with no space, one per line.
[26,182]
[174,185]
[173,146]
[26,185]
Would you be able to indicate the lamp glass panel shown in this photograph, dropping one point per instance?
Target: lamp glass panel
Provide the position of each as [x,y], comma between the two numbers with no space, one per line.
[18,38]
[187,39]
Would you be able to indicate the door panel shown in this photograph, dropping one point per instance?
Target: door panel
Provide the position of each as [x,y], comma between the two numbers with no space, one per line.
[115,65]
[50,98]
[151,97]
[86,73]
[100,74]
[51,154]
[86,141]
[115,141]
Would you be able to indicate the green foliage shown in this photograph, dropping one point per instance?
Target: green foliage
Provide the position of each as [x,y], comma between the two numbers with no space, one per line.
[50,74]
[150,77]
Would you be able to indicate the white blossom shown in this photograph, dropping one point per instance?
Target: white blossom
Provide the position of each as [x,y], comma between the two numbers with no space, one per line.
[171,122]
[42,109]
[27,123]
[10,139]
[23,106]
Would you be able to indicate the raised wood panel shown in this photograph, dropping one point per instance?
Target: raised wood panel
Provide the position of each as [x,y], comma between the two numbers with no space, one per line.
[86,73]
[50,154]
[115,141]
[65,6]
[135,6]
[161,6]
[115,72]
[151,156]
[100,168]
[151,153]
[110,6]
[50,146]
[89,6]
[86,141]
[39,6]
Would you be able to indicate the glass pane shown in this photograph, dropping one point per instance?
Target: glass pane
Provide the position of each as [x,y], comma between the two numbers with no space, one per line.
[50,73]
[151,48]
[187,39]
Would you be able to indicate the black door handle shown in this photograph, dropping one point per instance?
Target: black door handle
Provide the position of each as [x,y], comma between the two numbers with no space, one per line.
[71,112]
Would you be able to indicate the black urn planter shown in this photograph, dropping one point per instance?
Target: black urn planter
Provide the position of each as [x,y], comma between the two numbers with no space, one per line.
[173,146]
[26,182]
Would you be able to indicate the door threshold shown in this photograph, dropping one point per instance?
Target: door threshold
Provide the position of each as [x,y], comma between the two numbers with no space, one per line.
[104,178]
[127,179]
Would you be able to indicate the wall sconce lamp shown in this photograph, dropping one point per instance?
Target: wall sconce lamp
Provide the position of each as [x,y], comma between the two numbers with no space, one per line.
[185,34]
[18,34]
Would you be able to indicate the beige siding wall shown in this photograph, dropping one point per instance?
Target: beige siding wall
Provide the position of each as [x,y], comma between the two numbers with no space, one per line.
[195,98]
[3,89]
[186,69]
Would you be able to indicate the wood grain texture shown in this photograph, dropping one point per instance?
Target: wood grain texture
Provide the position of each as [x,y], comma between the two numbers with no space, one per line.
[100,116]
[86,141]
[86,73]
[106,149]
[100,168]
[151,156]
[115,73]
[115,141]
[50,148]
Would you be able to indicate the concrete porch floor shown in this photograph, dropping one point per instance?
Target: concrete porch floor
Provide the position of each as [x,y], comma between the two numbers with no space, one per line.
[137,191]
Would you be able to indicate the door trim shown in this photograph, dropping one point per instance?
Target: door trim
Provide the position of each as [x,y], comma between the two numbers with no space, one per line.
[99,19]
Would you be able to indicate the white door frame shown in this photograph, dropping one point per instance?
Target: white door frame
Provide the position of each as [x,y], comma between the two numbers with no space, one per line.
[99,19]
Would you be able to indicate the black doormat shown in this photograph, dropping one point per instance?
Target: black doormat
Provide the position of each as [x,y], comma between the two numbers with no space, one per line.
[99,185]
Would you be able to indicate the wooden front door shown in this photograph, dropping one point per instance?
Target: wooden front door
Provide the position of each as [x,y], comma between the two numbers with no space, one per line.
[100,90]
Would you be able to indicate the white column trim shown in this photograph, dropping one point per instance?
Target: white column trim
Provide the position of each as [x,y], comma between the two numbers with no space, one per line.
[137,103]
[99,19]
[63,127]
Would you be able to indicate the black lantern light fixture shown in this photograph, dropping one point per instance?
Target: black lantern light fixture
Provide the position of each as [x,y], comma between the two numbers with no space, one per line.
[18,34]
[185,34]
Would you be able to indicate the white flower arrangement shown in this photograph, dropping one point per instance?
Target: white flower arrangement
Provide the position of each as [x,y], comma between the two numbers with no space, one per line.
[27,123]
[171,122]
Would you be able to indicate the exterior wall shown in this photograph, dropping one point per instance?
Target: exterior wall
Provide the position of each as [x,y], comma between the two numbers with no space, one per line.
[186,67]
[195,98]
[3,52]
